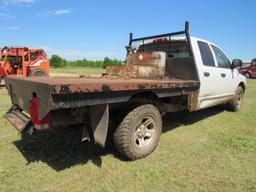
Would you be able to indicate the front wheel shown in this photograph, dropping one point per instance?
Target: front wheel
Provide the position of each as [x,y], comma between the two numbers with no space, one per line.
[38,73]
[236,104]
[138,134]
[247,75]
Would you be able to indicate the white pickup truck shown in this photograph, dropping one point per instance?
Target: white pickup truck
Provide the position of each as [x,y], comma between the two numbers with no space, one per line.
[163,73]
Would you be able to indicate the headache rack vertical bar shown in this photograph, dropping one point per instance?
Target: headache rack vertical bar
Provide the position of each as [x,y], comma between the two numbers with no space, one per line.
[169,44]
[130,44]
[188,37]
[130,39]
[190,46]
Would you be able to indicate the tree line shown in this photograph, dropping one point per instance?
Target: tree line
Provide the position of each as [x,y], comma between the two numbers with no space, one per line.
[59,62]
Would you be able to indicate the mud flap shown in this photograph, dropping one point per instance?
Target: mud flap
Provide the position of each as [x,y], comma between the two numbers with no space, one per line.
[18,119]
[99,118]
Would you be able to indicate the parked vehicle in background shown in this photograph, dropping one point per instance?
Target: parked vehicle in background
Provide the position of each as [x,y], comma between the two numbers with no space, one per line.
[23,61]
[250,70]
[163,73]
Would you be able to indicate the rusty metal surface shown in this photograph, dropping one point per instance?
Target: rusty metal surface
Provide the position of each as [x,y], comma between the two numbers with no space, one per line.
[61,93]
[146,58]
[106,85]
[148,64]
[76,85]
[193,101]
[49,85]
[122,71]
[136,71]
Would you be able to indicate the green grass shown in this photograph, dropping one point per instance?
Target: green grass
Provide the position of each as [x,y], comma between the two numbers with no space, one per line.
[87,71]
[209,150]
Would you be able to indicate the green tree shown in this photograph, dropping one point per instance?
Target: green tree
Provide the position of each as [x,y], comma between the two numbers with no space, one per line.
[56,61]
[106,62]
[64,63]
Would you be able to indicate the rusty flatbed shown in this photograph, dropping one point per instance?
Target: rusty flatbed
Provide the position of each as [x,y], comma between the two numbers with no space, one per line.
[72,85]
[60,93]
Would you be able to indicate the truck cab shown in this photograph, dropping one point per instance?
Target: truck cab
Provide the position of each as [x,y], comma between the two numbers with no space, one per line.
[219,77]
[249,71]
[187,59]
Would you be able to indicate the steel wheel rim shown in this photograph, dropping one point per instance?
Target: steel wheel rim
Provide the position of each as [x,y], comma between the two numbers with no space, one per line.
[239,99]
[145,132]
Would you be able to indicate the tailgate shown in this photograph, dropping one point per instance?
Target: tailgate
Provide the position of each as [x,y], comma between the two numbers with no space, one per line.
[21,91]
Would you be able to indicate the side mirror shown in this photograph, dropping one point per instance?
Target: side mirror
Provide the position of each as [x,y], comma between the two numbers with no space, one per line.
[253,63]
[236,63]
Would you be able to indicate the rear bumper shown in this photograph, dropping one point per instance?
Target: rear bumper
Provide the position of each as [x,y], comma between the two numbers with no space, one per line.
[18,119]
[23,123]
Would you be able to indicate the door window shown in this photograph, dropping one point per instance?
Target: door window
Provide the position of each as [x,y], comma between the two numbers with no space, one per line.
[206,54]
[221,58]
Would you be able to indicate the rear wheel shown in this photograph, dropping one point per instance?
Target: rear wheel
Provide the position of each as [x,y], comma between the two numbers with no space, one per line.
[236,104]
[138,134]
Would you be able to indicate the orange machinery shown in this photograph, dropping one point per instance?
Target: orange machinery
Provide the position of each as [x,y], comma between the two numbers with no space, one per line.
[23,62]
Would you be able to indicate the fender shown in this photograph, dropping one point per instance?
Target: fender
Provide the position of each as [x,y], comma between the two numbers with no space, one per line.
[34,71]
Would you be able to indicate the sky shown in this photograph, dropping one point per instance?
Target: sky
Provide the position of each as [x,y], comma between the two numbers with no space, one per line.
[77,29]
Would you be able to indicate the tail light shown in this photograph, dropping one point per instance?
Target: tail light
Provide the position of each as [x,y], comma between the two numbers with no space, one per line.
[159,40]
[39,125]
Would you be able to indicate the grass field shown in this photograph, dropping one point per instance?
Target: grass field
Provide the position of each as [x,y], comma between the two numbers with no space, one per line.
[209,150]
[76,71]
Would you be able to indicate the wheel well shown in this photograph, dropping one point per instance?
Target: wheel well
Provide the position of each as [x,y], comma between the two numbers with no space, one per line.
[147,98]
[145,95]
[120,110]
[33,71]
[242,85]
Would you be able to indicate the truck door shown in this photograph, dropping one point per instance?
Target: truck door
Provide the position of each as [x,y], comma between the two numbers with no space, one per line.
[213,89]
[228,87]
[25,63]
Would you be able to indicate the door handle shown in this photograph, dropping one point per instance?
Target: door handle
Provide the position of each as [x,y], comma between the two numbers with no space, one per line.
[223,75]
[206,74]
